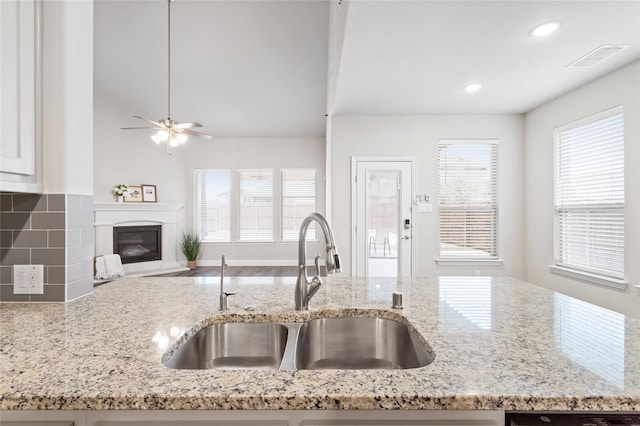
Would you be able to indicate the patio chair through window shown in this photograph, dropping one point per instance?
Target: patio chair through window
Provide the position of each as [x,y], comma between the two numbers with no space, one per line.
[379,238]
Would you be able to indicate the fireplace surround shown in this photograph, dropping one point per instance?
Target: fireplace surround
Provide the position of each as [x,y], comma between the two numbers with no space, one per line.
[167,216]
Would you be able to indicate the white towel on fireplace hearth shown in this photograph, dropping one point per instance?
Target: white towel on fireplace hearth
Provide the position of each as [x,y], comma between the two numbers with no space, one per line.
[108,267]
[113,265]
[101,269]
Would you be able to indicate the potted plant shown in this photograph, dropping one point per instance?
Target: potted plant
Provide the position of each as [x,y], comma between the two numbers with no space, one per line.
[190,245]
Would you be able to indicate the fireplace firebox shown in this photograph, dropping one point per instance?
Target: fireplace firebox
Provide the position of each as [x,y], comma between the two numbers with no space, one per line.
[138,243]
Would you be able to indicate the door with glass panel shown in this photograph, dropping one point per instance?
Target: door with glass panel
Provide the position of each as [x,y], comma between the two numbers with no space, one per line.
[383,231]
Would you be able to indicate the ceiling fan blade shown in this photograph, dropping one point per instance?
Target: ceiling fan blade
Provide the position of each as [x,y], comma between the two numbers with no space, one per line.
[192,133]
[150,121]
[187,125]
[139,128]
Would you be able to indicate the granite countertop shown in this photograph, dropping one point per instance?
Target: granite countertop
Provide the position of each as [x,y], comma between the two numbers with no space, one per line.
[500,344]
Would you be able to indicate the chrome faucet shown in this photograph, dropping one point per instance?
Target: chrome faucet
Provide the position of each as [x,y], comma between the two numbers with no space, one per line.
[305,289]
[224,294]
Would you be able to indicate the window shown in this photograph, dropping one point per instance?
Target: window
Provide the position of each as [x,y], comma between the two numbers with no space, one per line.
[298,201]
[255,204]
[247,205]
[213,204]
[468,200]
[589,195]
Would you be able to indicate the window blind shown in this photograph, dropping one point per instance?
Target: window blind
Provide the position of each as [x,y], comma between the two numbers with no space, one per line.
[468,199]
[589,194]
[213,206]
[255,205]
[298,201]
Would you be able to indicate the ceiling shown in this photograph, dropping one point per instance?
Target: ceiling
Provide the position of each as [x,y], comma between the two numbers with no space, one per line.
[241,68]
[415,57]
[259,68]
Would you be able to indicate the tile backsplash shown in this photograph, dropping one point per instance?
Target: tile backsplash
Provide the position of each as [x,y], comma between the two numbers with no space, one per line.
[55,230]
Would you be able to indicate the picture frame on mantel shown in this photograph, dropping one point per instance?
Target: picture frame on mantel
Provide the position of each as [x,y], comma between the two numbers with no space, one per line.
[134,195]
[149,193]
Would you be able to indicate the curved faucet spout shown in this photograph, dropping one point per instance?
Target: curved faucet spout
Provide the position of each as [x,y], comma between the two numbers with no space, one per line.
[305,289]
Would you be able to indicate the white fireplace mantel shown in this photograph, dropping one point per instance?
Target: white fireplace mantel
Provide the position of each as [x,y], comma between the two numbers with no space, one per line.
[169,215]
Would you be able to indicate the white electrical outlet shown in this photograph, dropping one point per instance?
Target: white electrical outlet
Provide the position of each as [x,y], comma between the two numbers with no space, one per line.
[28,279]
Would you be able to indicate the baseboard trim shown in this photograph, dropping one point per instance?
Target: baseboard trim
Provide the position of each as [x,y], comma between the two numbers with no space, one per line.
[250,262]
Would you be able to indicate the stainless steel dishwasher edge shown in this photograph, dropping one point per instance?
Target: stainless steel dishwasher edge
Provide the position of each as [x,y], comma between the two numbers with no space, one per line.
[575,418]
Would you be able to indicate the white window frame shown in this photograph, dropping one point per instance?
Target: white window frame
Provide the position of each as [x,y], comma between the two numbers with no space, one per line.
[240,238]
[198,205]
[312,233]
[489,259]
[564,204]
[277,203]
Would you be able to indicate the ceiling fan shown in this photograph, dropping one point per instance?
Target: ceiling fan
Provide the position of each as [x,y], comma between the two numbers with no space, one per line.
[170,131]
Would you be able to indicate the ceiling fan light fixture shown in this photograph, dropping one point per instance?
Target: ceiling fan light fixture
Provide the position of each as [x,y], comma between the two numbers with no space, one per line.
[160,137]
[472,87]
[545,29]
[182,138]
[170,131]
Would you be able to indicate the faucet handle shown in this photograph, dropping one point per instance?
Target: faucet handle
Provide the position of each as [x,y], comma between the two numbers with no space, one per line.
[316,260]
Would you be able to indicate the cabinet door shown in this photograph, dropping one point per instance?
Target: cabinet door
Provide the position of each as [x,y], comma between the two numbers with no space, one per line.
[19,52]
[187,418]
[37,423]
[192,423]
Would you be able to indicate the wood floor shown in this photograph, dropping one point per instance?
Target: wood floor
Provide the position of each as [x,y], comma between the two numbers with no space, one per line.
[241,271]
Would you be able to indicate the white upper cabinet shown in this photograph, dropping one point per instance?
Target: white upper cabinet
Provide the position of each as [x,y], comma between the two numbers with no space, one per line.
[19,74]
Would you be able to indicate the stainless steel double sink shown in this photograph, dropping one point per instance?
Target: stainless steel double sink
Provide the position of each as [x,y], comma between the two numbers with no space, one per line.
[321,343]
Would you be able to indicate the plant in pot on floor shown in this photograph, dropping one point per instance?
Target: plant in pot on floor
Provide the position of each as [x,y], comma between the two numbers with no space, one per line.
[190,246]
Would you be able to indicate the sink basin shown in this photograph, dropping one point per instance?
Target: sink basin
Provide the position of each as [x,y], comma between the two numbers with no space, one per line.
[359,343]
[322,343]
[233,346]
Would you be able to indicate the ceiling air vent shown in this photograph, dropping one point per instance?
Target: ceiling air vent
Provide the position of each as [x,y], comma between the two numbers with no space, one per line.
[596,56]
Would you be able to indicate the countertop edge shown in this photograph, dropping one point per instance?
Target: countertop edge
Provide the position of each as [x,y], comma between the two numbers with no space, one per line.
[330,402]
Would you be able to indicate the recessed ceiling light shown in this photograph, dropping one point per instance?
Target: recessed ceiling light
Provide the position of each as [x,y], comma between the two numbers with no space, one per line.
[545,29]
[473,87]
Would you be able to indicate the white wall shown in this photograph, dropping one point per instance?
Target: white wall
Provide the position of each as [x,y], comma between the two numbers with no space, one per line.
[621,87]
[131,157]
[338,13]
[418,136]
[67,111]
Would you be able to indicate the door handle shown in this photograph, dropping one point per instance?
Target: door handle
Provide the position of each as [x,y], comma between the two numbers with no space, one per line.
[406,237]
